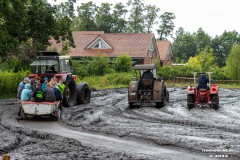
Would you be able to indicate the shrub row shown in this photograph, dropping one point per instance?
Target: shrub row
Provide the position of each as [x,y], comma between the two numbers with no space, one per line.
[9,82]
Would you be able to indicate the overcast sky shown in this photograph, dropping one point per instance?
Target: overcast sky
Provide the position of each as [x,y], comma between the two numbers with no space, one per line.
[214,16]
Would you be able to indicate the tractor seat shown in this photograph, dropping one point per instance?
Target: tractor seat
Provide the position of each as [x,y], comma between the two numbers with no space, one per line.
[202,89]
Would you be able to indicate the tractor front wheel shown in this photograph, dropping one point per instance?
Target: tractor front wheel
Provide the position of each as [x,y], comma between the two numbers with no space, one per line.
[215,101]
[190,101]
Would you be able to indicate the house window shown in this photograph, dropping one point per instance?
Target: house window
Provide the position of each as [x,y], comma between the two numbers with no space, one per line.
[100,45]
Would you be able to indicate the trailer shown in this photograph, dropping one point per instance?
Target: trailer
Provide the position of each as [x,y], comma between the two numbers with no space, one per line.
[29,109]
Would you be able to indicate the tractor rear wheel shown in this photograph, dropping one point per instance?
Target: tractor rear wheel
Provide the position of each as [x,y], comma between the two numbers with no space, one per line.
[83,93]
[164,99]
[190,101]
[215,101]
[130,105]
[69,94]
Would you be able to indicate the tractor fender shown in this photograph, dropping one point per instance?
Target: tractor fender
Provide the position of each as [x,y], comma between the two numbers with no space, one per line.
[157,89]
[132,90]
[214,89]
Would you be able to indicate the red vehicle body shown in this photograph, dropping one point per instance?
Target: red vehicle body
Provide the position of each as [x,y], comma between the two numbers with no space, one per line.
[202,97]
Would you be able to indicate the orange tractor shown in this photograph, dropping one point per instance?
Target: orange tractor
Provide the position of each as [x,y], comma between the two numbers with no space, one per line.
[203,96]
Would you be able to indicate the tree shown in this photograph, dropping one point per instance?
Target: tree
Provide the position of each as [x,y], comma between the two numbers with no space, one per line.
[119,22]
[232,63]
[27,25]
[202,40]
[222,46]
[184,46]
[202,62]
[123,63]
[136,19]
[104,19]
[86,14]
[151,15]
[166,26]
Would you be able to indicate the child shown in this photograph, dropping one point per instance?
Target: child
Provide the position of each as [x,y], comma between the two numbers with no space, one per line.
[26,93]
[21,86]
[48,94]
[44,83]
[58,90]
[37,94]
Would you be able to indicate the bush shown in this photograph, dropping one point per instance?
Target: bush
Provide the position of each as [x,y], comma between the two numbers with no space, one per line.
[123,63]
[169,72]
[9,82]
[98,66]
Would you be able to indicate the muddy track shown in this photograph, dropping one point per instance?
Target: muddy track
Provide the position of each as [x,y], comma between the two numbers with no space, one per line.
[107,129]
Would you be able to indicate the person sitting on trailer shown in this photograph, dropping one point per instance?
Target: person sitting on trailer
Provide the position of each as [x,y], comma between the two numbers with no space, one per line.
[26,93]
[37,94]
[48,94]
[203,82]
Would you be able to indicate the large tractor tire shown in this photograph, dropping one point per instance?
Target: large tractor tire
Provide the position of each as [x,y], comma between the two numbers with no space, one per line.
[83,93]
[165,97]
[215,101]
[190,101]
[131,106]
[70,93]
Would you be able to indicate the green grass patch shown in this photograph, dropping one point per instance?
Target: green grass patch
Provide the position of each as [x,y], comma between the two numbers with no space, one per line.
[108,81]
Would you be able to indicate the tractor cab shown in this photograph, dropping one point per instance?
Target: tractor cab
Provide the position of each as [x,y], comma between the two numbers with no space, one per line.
[146,75]
[146,88]
[49,65]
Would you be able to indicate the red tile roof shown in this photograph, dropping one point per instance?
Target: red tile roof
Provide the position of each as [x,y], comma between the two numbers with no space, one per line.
[163,47]
[135,45]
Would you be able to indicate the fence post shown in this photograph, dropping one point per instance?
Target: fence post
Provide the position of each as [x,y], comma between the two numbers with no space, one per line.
[5,157]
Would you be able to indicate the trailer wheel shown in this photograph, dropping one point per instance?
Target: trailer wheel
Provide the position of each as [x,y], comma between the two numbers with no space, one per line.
[83,93]
[190,101]
[21,114]
[215,101]
[69,94]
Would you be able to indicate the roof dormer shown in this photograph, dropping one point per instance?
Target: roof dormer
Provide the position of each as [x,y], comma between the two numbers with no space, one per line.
[99,43]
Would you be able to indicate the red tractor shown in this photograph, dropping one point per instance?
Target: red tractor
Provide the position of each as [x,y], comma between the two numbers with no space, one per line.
[201,96]
[51,64]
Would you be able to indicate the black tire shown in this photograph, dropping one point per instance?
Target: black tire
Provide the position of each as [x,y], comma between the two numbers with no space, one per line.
[130,105]
[190,101]
[83,93]
[70,93]
[21,114]
[164,99]
[57,115]
[215,101]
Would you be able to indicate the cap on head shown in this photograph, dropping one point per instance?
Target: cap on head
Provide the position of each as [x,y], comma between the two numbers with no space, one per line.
[45,79]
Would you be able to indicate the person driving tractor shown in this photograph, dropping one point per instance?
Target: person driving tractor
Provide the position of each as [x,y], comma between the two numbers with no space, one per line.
[147,75]
[203,81]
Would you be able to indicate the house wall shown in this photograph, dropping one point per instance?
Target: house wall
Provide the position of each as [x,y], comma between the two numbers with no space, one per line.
[155,55]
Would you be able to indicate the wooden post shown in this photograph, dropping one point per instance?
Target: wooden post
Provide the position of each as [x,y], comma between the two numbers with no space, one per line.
[5,157]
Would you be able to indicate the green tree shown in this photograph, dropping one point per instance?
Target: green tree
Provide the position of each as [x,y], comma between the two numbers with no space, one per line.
[86,14]
[27,25]
[104,19]
[222,46]
[119,22]
[184,46]
[136,18]
[202,40]
[202,62]
[166,25]
[232,64]
[123,63]
[151,15]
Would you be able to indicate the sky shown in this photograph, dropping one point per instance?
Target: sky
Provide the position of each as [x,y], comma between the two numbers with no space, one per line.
[214,16]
